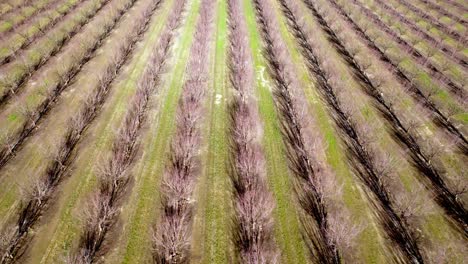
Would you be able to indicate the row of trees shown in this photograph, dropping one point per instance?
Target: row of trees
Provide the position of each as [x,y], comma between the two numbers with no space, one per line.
[16,73]
[400,117]
[328,231]
[456,4]
[253,203]
[453,51]
[429,18]
[426,61]
[450,65]
[442,11]
[8,7]
[26,14]
[37,200]
[172,234]
[65,75]
[22,36]
[102,210]
[406,78]
[373,166]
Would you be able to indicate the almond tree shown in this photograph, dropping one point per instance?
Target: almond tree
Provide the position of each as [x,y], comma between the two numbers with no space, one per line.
[253,204]
[172,234]
[104,206]
[65,77]
[38,199]
[373,165]
[328,234]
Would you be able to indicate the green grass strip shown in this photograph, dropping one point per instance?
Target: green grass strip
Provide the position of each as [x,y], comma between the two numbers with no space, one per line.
[215,196]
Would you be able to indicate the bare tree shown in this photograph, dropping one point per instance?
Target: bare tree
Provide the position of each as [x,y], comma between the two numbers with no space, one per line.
[372,162]
[64,76]
[425,151]
[37,200]
[56,40]
[113,177]
[253,203]
[303,144]
[172,234]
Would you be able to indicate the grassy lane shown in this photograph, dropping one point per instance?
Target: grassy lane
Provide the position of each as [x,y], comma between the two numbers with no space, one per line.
[212,223]
[287,226]
[434,223]
[141,210]
[218,247]
[64,227]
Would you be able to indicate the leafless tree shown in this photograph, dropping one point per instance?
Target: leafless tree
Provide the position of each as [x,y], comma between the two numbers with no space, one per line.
[408,78]
[29,18]
[365,150]
[452,83]
[64,76]
[37,200]
[303,145]
[425,152]
[58,39]
[434,40]
[172,234]
[253,203]
[114,176]
[432,20]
